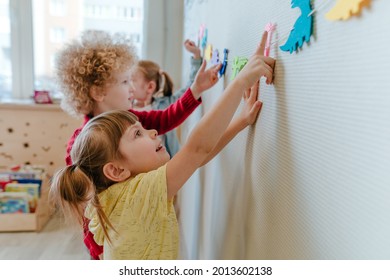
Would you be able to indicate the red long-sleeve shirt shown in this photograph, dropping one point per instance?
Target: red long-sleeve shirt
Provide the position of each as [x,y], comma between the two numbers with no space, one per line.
[161,120]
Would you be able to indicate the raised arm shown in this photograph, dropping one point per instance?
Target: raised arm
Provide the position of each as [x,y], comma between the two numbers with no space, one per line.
[196,60]
[211,127]
[247,117]
[168,119]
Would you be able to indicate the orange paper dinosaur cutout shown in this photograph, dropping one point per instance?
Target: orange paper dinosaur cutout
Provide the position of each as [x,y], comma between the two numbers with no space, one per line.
[344,9]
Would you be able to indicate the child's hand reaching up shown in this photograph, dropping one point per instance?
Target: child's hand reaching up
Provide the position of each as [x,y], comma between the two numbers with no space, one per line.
[251,107]
[258,65]
[192,48]
[204,79]
[248,116]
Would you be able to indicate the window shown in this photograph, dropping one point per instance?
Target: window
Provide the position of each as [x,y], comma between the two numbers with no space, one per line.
[135,37]
[57,35]
[5,50]
[57,8]
[129,13]
[30,58]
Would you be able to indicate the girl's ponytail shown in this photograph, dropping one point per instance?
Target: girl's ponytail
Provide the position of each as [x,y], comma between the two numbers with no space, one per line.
[71,189]
[165,84]
[152,72]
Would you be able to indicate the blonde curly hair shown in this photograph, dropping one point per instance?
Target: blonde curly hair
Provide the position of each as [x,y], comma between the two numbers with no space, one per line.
[90,61]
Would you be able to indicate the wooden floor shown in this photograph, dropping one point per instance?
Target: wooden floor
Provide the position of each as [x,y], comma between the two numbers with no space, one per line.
[55,242]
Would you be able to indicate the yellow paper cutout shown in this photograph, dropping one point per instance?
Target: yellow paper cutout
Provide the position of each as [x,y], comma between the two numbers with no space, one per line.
[208,52]
[344,9]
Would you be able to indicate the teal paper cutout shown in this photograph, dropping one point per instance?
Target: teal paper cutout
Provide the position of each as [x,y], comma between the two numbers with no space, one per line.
[204,38]
[200,33]
[303,27]
[238,64]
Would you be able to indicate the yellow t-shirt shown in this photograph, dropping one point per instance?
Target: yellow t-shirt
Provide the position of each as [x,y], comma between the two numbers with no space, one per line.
[143,217]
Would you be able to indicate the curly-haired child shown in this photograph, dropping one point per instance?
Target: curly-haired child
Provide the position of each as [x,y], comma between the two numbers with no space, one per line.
[94,75]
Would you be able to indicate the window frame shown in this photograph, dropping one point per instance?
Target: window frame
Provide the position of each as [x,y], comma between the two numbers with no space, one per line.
[22,54]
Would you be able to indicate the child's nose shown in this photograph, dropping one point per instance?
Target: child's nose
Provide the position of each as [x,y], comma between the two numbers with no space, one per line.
[131,87]
[153,133]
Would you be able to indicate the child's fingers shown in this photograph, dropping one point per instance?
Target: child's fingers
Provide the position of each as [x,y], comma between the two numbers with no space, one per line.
[214,77]
[260,48]
[203,66]
[268,74]
[216,67]
[267,70]
[246,94]
[214,72]
[254,92]
[256,108]
[191,43]
[269,61]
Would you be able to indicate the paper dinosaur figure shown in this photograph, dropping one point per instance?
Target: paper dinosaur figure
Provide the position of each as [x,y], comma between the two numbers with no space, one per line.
[270,28]
[238,64]
[224,62]
[344,9]
[201,33]
[208,52]
[303,27]
[203,42]
[215,57]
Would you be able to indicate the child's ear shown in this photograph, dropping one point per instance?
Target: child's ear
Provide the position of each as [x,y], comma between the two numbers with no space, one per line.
[96,93]
[115,172]
[151,87]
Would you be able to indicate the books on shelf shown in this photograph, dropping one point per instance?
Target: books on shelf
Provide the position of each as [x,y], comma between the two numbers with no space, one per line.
[24,203]
[32,191]
[12,202]
[20,190]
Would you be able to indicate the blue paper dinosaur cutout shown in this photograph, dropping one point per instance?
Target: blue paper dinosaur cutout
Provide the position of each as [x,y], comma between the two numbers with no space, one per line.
[303,27]
[224,63]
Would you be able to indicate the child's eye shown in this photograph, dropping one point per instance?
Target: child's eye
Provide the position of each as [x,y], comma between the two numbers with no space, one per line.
[138,133]
[125,81]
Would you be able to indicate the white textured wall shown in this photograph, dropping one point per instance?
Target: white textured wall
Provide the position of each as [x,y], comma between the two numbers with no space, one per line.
[311,179]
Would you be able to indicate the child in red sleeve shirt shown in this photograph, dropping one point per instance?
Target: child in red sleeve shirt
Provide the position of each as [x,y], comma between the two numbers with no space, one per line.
[94,75]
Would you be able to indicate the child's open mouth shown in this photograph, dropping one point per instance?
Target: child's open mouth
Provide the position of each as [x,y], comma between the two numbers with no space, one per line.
[159,148]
